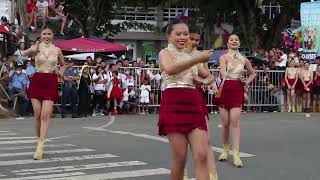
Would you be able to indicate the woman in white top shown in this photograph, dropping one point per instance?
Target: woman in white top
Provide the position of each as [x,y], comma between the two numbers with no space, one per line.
[100,80]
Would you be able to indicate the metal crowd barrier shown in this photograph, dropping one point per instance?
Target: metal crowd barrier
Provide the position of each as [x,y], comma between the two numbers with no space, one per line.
[265,93]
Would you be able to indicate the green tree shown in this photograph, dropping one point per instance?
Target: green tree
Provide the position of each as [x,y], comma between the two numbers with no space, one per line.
[256,29]
[93,17]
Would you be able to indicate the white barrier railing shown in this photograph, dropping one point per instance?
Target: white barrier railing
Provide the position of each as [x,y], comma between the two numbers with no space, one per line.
[265,92]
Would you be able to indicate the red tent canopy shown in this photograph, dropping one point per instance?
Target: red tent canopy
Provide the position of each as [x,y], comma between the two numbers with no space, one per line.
[4,30]
[83,45]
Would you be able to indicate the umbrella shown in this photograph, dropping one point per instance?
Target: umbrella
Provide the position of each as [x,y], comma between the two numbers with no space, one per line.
[87,45]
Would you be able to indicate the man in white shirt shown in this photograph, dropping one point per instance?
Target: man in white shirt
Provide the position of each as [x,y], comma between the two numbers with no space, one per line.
[282,61]
[42,10]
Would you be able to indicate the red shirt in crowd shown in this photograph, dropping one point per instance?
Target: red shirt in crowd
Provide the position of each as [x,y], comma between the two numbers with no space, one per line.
[31,7]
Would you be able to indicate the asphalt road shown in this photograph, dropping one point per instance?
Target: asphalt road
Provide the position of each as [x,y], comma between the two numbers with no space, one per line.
[274,146]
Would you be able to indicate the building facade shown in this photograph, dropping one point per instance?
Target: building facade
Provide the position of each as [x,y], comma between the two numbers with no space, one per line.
[144,45]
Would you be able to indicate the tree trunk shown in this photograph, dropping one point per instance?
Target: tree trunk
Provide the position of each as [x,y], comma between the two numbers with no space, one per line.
[248,24]
[91,20]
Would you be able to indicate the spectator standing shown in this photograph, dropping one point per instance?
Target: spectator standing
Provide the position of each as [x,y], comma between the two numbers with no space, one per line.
[282,61]
[84,91]
[69,89]
[155,82]
[18,53]
[42,11]
[100,80]
[115,92]
[145,95]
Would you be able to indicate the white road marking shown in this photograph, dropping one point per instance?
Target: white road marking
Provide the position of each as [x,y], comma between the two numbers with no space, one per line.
[20,141]
[64,169]
[156,138]
[8,134]
[120,174]
[3,131]
[62,159]
[51,176]
[16,138]
[33,147]
[46,152]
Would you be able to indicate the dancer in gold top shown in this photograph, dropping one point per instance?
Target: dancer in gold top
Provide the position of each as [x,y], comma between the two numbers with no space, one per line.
[306,77]
[43,89]
[291,79]
[231,98]
[194,36]
[182,117]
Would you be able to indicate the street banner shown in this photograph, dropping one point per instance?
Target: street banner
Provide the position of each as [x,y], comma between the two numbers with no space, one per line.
[310,25]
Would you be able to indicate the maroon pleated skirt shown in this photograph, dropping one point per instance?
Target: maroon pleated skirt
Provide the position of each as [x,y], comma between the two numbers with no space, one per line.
[44,86]
[232,95]
[291,83]
[204,103]
[304,90]
[181,111]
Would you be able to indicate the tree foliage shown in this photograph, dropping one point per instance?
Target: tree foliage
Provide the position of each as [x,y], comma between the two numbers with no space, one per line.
[255,28]
[93,17]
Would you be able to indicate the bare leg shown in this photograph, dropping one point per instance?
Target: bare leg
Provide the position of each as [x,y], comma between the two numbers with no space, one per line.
[288,100]
[314,103]
[63,23]
[226,125]
[308,100]
[46,111]
[293,100]
[179,147]
[35,21]
[198,140]
[44,20]
[210,156]
[235,127]
[36,104]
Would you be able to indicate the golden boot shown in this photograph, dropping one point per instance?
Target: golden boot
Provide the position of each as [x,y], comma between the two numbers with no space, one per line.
[185,175]
[38,155]
[294,108]
[289,108]
[236,158]
[225,153]
[213,177]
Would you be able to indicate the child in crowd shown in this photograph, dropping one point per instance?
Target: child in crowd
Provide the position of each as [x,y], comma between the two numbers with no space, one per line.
[145,95]
[115,92]
[129,99]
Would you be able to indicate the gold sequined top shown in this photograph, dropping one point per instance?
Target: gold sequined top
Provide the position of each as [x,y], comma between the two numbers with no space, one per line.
[292,72]
[47,58]
[306,75]
[235,65]
[183,79]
